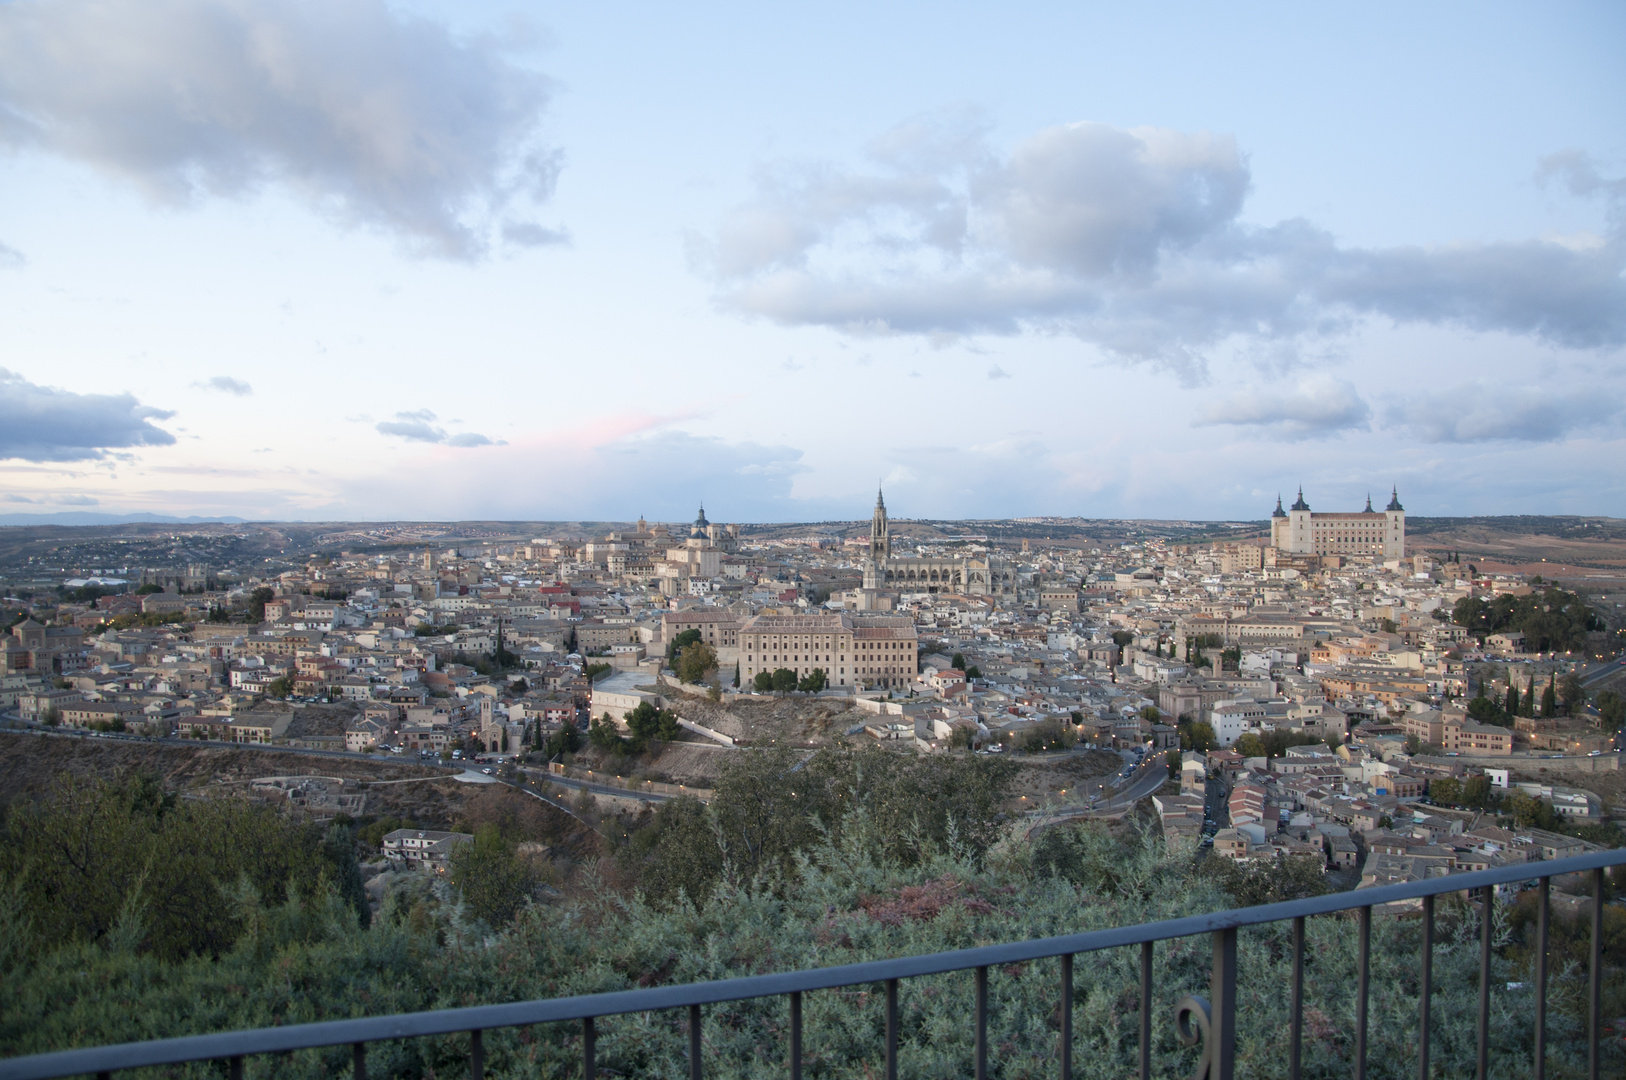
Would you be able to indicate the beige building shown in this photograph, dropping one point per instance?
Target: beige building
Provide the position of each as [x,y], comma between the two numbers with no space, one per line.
[1299,531]
[870,652]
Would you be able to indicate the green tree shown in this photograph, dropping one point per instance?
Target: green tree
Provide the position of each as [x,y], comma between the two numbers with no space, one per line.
[1250,745]
[567,740]
[1511,708]
[1549,698]
[257,601]
[1197,735]
[280,687]
[647,723]
[1571,693]
[1528,708]
[695,661]
[1611,709]
[784,680]
[762,682]
[1445,791]
[813,683]
[679,642]
[973,672]
[494,881]
[149,589]
[957,661]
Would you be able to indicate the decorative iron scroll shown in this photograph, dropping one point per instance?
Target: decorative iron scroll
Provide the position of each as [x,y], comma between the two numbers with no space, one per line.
[1192,1016]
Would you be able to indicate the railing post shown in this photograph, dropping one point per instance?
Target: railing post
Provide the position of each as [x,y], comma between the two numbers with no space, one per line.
[1146,1010]
[891,1030]
[694,1042]
[1426,997]
[234,1068]
[1541,979]
[1487,895]
[795,1035]
[477,1055]
[1067,1016]
[358,1061]
[1294,1062]
[1363,989]
[589,1049]
[980,1014]
[1595,1001]
[1222,1022]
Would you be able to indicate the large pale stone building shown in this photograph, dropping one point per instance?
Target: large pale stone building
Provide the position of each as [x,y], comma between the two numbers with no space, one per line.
[979,573]
[872,652]
[1299,531]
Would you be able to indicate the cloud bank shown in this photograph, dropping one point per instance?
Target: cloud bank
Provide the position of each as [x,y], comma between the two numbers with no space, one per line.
[43,423]
[1130,240]
[1317,406]
[1477,413]
[370,115]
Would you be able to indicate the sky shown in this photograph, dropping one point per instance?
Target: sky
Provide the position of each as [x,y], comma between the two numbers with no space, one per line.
[350,260]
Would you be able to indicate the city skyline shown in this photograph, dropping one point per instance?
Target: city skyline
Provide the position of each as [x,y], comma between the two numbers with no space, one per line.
[398,263]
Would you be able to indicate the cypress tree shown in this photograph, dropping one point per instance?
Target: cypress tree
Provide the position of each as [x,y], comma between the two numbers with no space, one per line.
[1512,706]
[1529,698]
[1549,697]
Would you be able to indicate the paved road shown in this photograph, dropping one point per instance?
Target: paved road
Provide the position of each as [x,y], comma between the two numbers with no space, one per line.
[1150,776]
[542,776]
[1602,671]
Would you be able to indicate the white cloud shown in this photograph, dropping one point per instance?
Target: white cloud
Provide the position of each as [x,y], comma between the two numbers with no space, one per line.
[226,385]
[1315,407]
[1131,240]
[997,372]
[1477,413]
[415,426]
[43,423]
[371,115]
[10,257]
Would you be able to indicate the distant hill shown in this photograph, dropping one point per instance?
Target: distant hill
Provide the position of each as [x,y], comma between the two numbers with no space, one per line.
[86,517]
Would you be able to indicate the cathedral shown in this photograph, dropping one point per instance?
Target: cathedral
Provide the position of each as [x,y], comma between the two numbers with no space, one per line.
[981,573]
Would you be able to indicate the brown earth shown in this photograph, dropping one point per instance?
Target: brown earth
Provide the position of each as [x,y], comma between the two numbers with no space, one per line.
[768,720]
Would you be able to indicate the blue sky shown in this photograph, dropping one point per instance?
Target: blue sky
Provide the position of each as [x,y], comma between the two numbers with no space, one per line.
[356,260]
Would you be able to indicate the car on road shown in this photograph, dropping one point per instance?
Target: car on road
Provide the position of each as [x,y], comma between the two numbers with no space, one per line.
[486,771]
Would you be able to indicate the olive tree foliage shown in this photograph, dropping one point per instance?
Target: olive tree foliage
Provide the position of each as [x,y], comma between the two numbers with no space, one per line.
[772,807]
[121,857]
[854,899]
[494,881]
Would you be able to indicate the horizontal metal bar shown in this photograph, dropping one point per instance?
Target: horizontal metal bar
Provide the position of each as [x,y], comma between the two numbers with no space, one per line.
[445,1021]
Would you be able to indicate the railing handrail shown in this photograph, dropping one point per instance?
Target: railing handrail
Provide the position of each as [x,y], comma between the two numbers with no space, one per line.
[326,1033]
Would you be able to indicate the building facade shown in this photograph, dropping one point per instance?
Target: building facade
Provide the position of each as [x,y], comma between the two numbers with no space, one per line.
[1300,531]
[866,652]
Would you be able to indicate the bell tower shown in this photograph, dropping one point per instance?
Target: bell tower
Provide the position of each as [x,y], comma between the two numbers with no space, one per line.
[880,541]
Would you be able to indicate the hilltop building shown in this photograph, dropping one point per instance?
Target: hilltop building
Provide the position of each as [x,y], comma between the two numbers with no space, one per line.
[868,652]
[977,574]
[1300,531]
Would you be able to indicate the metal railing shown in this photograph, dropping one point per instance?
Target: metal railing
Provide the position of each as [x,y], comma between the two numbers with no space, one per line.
[1206,1023]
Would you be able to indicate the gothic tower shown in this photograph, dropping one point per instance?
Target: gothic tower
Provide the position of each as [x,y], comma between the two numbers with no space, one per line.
[880,542]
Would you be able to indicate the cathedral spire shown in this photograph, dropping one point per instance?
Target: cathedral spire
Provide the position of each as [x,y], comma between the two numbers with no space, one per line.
[1369,509]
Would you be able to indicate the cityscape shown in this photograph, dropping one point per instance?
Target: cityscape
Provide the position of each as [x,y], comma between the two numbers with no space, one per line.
[858,542]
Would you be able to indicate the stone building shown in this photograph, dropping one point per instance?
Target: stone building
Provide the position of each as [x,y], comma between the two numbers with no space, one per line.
[980,573]
[868,652]
[1300,531]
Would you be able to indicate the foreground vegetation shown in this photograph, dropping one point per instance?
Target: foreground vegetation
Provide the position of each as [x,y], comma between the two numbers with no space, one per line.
[837,861]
